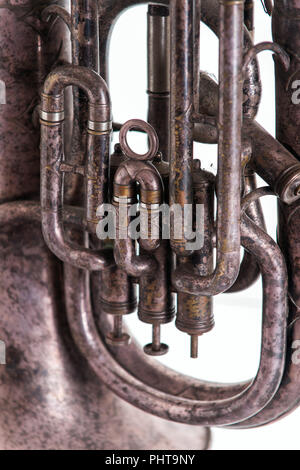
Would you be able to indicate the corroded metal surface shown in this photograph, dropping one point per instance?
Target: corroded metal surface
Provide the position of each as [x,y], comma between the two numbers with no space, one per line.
[70,363]
[28,52]
[229,161]
[286,33]
[195,312]
[49,397]
[167,405]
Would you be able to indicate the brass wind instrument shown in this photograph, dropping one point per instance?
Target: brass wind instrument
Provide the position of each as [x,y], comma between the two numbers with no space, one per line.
[72,371]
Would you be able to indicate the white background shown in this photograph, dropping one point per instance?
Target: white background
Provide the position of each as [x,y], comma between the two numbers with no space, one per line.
[230,352]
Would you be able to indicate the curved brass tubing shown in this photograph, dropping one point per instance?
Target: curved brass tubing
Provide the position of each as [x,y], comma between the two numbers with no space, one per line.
[272,162]
[99,128]
[166,405]
[268,6]
[266,46]
[154,374]
[57,11]
[166,380]
[110,11]
[151,189]
[287,397]
[229,159]
[249,269]
[131,358]
[182,415]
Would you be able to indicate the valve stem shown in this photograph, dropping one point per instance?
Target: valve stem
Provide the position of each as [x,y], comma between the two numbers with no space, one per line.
[194,346]
[116,337]
[156,337]
[156,348]
[118,326]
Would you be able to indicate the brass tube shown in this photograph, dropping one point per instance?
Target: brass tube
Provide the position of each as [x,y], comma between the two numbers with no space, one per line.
[229,163]
[286,32]
[249,269]
[52,155]
[273,162]
[182,88]
[249,16]
[158,34]
[85,53]
[108,367]
[177,408]
[110,10]
[195,312]
[132,358]
[150,182]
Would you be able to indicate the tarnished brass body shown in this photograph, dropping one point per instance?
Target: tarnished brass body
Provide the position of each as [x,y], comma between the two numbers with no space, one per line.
[74,378]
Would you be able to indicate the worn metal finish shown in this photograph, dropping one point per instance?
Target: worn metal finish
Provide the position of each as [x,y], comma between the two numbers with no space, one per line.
[158,88]
[273,162]
[287,398]
[85,53]
[249,16]
[156,304]
[148,177]
[57,401]
[51,159]
[194,312]
[156,298]
[286,32]
[118,292]
[28,51]
[126,174]
[285,22]
[148,398]
[249,269]
[182,73]
[229,163]
[110,10]
[71,310]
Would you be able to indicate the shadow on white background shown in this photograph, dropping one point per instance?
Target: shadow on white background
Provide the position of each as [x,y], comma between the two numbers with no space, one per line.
[231,351]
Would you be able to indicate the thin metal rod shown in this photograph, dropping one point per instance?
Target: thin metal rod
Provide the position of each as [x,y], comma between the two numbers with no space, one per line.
[118,326]
[194,346]
[156,337]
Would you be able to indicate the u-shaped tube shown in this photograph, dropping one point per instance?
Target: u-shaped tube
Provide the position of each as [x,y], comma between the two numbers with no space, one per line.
[178,408]
[151,190]
[183,388]
[110,10]
[229,161]
[99,128]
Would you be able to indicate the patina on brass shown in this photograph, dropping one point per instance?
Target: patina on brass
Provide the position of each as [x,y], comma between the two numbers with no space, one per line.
[74,378]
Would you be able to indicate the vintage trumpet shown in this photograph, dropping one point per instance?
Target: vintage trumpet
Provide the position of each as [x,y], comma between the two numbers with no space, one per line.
[71,372]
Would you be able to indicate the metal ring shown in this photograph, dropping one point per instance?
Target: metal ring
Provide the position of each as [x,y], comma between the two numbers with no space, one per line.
[151,207]
[49,123]
[145,127]
[100,126]
[124,200]
[52,117]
